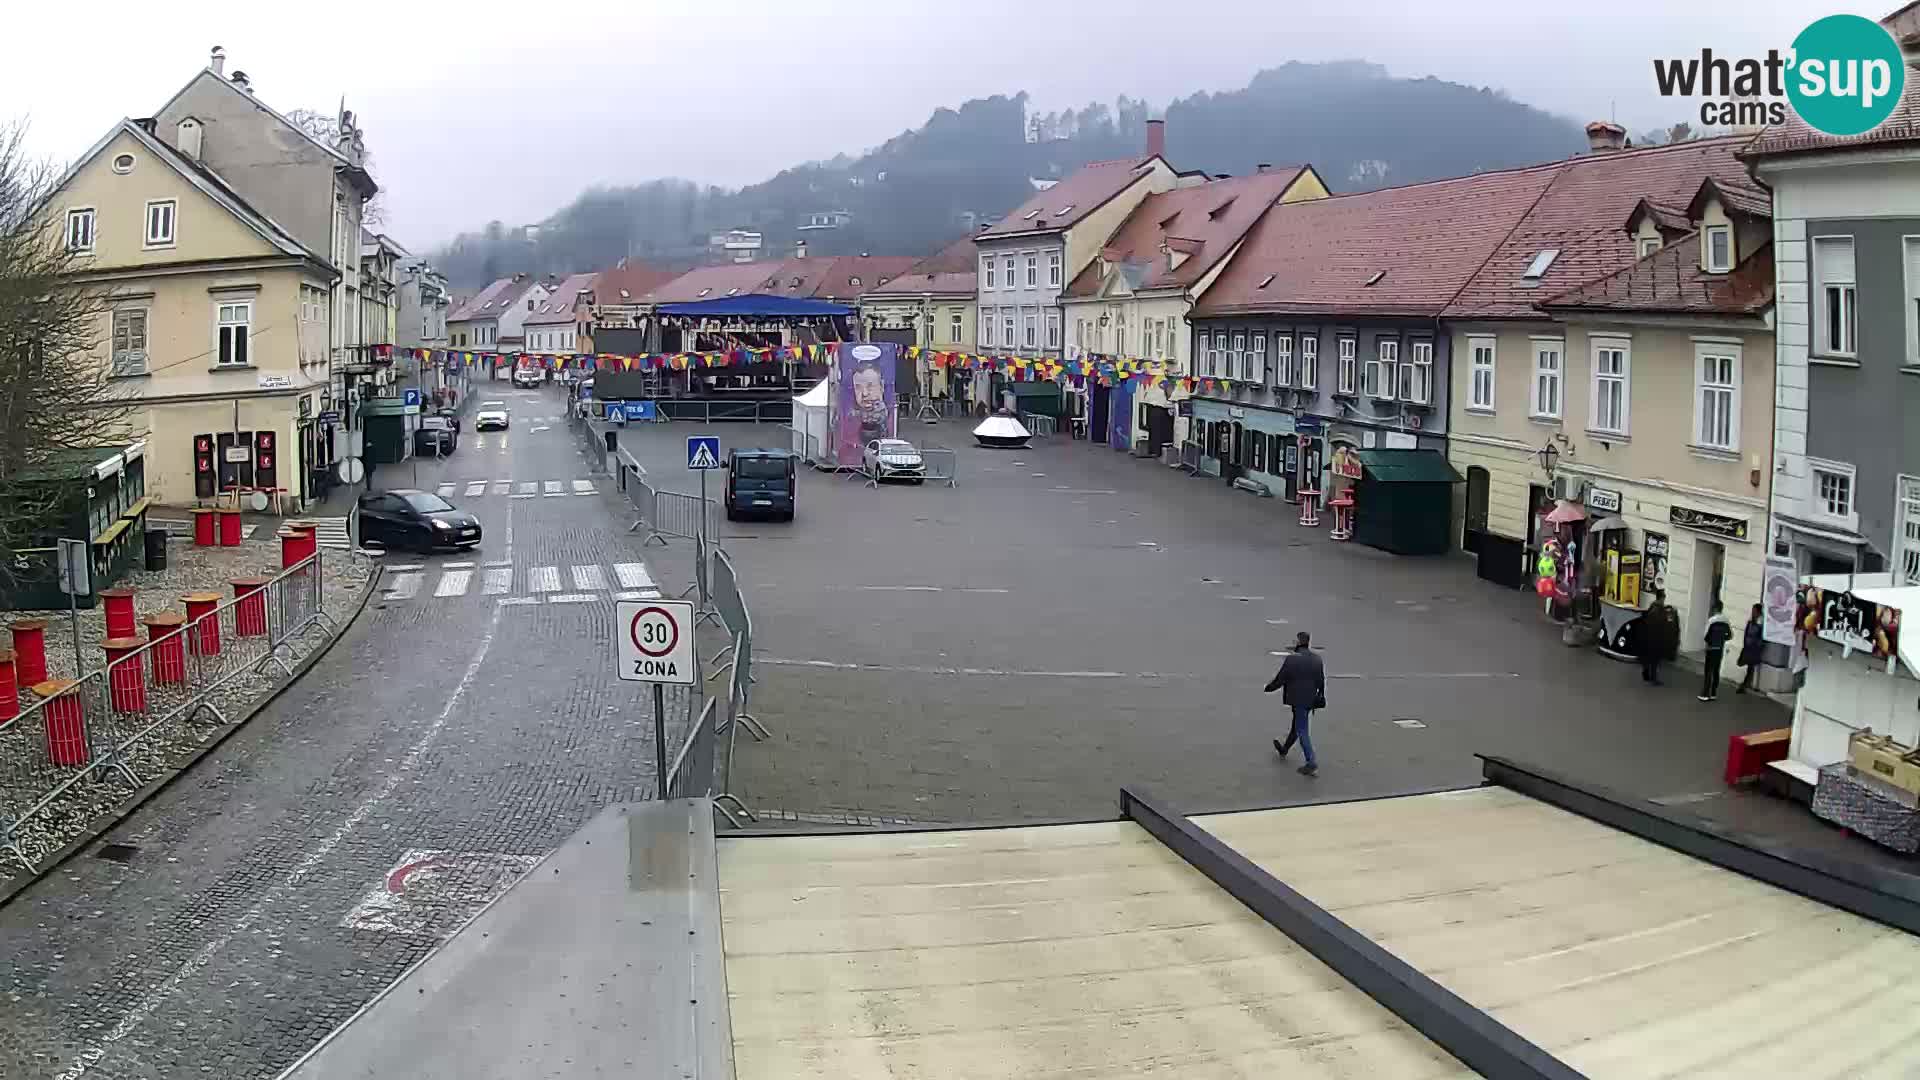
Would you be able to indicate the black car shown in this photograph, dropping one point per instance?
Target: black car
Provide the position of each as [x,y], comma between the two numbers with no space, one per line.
[416,519]
[435,437]
[449,416]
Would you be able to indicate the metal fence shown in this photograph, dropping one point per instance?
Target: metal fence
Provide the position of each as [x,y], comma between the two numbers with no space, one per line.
[943,466]
[703,764]
[1040,424]
[1190,458]
[714,410]
[664,514]
[110,721]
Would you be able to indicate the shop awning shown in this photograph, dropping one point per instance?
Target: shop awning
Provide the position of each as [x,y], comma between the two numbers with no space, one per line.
[1608,523]
[1408,467]
[779,307]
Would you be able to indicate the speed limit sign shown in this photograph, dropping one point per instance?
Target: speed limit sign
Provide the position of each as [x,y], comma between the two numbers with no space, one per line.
[653,641]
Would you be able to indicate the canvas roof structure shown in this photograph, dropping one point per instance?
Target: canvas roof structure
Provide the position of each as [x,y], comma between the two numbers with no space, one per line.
[1078,194]
[1202,221]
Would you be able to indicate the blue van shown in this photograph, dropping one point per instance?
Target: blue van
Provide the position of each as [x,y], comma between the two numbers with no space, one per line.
[760,483]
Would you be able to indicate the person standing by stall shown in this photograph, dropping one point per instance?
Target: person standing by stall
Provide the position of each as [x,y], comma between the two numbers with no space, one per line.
[1719,632]
[1752,640]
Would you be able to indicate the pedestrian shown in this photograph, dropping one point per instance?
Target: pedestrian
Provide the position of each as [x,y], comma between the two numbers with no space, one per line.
[1651,639]
[1752,641]
[1302,682]
[1719,632]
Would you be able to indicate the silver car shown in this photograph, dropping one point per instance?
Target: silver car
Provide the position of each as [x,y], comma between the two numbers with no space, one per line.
[894,459]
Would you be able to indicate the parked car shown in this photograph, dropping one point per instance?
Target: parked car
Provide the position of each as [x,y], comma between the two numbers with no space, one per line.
[449,416]
[435,437]
[760,483]
[490,417]
[894,459]
[526,377]
[418,520]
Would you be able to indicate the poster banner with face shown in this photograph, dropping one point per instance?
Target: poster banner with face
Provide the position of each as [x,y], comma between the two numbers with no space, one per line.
[1779,600]
[863,400]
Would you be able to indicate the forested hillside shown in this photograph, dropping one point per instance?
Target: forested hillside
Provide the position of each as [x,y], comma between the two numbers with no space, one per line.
[1361,129]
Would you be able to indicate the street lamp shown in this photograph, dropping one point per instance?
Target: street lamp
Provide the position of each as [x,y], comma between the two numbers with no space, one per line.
[1549,456]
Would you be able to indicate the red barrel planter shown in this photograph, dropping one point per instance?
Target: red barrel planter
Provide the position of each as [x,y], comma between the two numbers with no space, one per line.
[66,722]
[309,537]
[126,676]
[9,688]
[250,614]
[296,545]
[203,622]
[229,527]
[204,528]
[119,608]
[30,651]
[169,650]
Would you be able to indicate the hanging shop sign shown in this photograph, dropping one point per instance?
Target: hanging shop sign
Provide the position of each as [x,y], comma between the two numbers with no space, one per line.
[1732,528]
[1850,622]
[1605,499]
[1346,463]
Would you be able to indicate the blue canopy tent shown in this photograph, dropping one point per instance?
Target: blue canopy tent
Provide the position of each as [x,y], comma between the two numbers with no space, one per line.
[756,304]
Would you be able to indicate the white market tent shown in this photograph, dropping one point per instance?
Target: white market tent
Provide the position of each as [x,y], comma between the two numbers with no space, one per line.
[812,430]
[1847,693]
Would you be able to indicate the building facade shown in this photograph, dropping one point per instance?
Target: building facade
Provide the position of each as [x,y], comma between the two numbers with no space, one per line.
[930,305]
[557,324]
[495,318]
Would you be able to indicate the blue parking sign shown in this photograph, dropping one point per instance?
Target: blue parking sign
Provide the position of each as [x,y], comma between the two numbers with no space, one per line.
[410,397]
[703,451]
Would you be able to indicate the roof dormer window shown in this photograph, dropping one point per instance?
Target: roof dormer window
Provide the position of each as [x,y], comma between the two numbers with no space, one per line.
[1375,279]
[1265,281]
[1031,214]
[1537,269]
[1065,210]
[1718,240]
[1648,245]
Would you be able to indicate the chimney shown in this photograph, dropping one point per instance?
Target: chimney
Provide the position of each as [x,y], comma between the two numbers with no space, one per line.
[1263,167]
[1156,138]
[218,62]
[800,249]
[1604,136]
[187,138]
[245,84]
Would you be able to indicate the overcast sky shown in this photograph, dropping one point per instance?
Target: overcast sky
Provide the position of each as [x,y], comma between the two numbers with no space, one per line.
[472,114]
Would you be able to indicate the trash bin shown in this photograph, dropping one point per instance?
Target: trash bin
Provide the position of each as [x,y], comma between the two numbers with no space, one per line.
[613,441]
[156,549]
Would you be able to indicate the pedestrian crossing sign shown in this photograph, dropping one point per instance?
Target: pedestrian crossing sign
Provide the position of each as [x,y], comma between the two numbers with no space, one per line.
[703,451]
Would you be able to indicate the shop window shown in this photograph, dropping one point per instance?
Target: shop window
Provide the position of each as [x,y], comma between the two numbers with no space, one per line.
[1258,453]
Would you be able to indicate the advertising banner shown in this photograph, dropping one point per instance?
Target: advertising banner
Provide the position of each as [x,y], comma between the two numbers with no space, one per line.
[863,402]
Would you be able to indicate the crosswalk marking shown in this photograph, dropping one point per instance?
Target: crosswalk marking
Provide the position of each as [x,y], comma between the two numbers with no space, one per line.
[476,488]
[529,487]
[553,488]
[405,586]
[632,575]
[499,580]
[572,598]
[454,583]
[501,487]
[544,579]
[331,532]
[638,594]
[444,490]
[583,487]
[588,577]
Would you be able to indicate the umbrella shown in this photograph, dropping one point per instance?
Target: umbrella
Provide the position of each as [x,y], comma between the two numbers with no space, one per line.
[1565,512]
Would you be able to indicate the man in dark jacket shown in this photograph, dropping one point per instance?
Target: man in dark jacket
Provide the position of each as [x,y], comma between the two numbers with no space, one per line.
[1651,639]
[1753,641]
[1719,631]
[1302,682]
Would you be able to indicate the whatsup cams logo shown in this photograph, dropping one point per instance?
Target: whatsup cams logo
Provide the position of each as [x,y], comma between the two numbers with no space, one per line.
[1843,76]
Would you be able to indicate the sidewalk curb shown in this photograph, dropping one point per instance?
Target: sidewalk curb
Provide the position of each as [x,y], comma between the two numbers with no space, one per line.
[120,813]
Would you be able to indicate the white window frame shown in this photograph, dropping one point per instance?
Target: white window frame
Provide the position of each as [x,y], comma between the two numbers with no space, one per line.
[171,218]
[1053,269]
[1416,375]
[1283,359]
[1210,352]
[987,317]
[222,322]
[1910,264]
[131,360]
[1483,372]
[1237,356]
[1031,324]
[1648,245]
[1707,237]
[1309,361]
[1033,270]
[987,275]
[1728,391]
[1053,328]
[1009,328]
[1006,268]
[1545,377]
[1826,293]
[1818,506]
[956,327]
[80,240]
[1347,348]
[1906,529]
[1257,359]
[1378,380]
[1599,381]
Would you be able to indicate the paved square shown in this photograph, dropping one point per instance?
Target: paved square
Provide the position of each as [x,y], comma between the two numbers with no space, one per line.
[433,893]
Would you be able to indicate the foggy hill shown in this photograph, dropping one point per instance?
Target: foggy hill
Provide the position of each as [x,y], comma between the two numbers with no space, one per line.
[1358,126]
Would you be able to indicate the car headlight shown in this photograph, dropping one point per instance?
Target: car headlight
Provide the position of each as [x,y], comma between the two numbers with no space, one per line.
[438,524]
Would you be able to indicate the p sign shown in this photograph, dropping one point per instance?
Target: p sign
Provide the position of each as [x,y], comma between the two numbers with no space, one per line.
[653,642]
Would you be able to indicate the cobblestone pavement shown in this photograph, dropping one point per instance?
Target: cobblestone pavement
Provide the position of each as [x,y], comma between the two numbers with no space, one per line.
[1069,619]
[417,770]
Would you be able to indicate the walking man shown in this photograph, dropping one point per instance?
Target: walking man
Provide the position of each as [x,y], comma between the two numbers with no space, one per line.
[1719,632]
[1302,682]
[1752,641]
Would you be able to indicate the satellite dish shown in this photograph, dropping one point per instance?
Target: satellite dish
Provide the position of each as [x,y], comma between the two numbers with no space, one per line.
[257,501]
[351,470]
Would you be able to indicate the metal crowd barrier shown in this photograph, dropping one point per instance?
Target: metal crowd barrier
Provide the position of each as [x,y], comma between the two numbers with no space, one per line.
[104,723]
[1190,458]
[1040,424]
[712,410]
[680,516]
[943,466]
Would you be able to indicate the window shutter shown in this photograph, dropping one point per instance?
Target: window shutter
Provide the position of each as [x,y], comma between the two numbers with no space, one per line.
[1833,260]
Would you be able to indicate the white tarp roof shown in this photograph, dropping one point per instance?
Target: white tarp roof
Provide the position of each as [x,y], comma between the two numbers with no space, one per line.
[815,398]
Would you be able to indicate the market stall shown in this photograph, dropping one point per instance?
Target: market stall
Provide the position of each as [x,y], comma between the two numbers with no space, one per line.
[1402,499]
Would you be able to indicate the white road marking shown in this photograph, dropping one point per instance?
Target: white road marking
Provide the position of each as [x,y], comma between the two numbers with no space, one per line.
[309,861]
[588,578]
[544,579]
[404,587]
[917,670]
[503,442]
[444,490]
[542,427]
[553,489]
[632,575]
[403,566]
[533,495]
[502,487]
[900,588]
[529,487]
[517,601]
[454,583]
[572,598]
[638,594]
[499,580]
[584,487]
[499,562]
[985,590]
[456,566]
[476,488]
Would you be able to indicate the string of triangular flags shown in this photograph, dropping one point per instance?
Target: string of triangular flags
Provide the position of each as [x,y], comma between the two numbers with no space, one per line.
[1106,370]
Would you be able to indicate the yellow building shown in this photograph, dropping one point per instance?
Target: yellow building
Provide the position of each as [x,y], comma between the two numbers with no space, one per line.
[216,320]
[932,305]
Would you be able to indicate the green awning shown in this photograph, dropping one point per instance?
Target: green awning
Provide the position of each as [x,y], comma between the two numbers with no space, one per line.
[1408,467]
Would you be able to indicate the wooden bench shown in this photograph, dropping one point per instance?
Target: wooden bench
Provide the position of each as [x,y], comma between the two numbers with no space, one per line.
[1748,754]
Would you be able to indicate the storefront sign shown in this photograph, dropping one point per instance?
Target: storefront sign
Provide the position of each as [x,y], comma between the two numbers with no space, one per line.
[1686,517]
[1603,499]
[1307,425]
[275,382]
[1850,622]
[1346,463]
[1236,413]
[1778,600]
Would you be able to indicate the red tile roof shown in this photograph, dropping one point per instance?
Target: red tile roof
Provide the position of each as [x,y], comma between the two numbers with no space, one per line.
[557,309]
[953,269]
[1795,136]
[1205,221]
[1073,198]
[628,281]
[1427,240]
[1670,282]
[818,278]
[1581,215]
[848,276]
[707,282]
[494,300]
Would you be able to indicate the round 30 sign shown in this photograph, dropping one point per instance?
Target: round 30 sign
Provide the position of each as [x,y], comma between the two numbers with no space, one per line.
[654,641]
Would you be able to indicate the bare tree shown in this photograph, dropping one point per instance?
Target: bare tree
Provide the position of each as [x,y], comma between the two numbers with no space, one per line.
[326,129]
[56,394]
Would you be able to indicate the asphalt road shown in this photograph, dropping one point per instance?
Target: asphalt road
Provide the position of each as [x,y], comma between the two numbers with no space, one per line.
[444,743]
